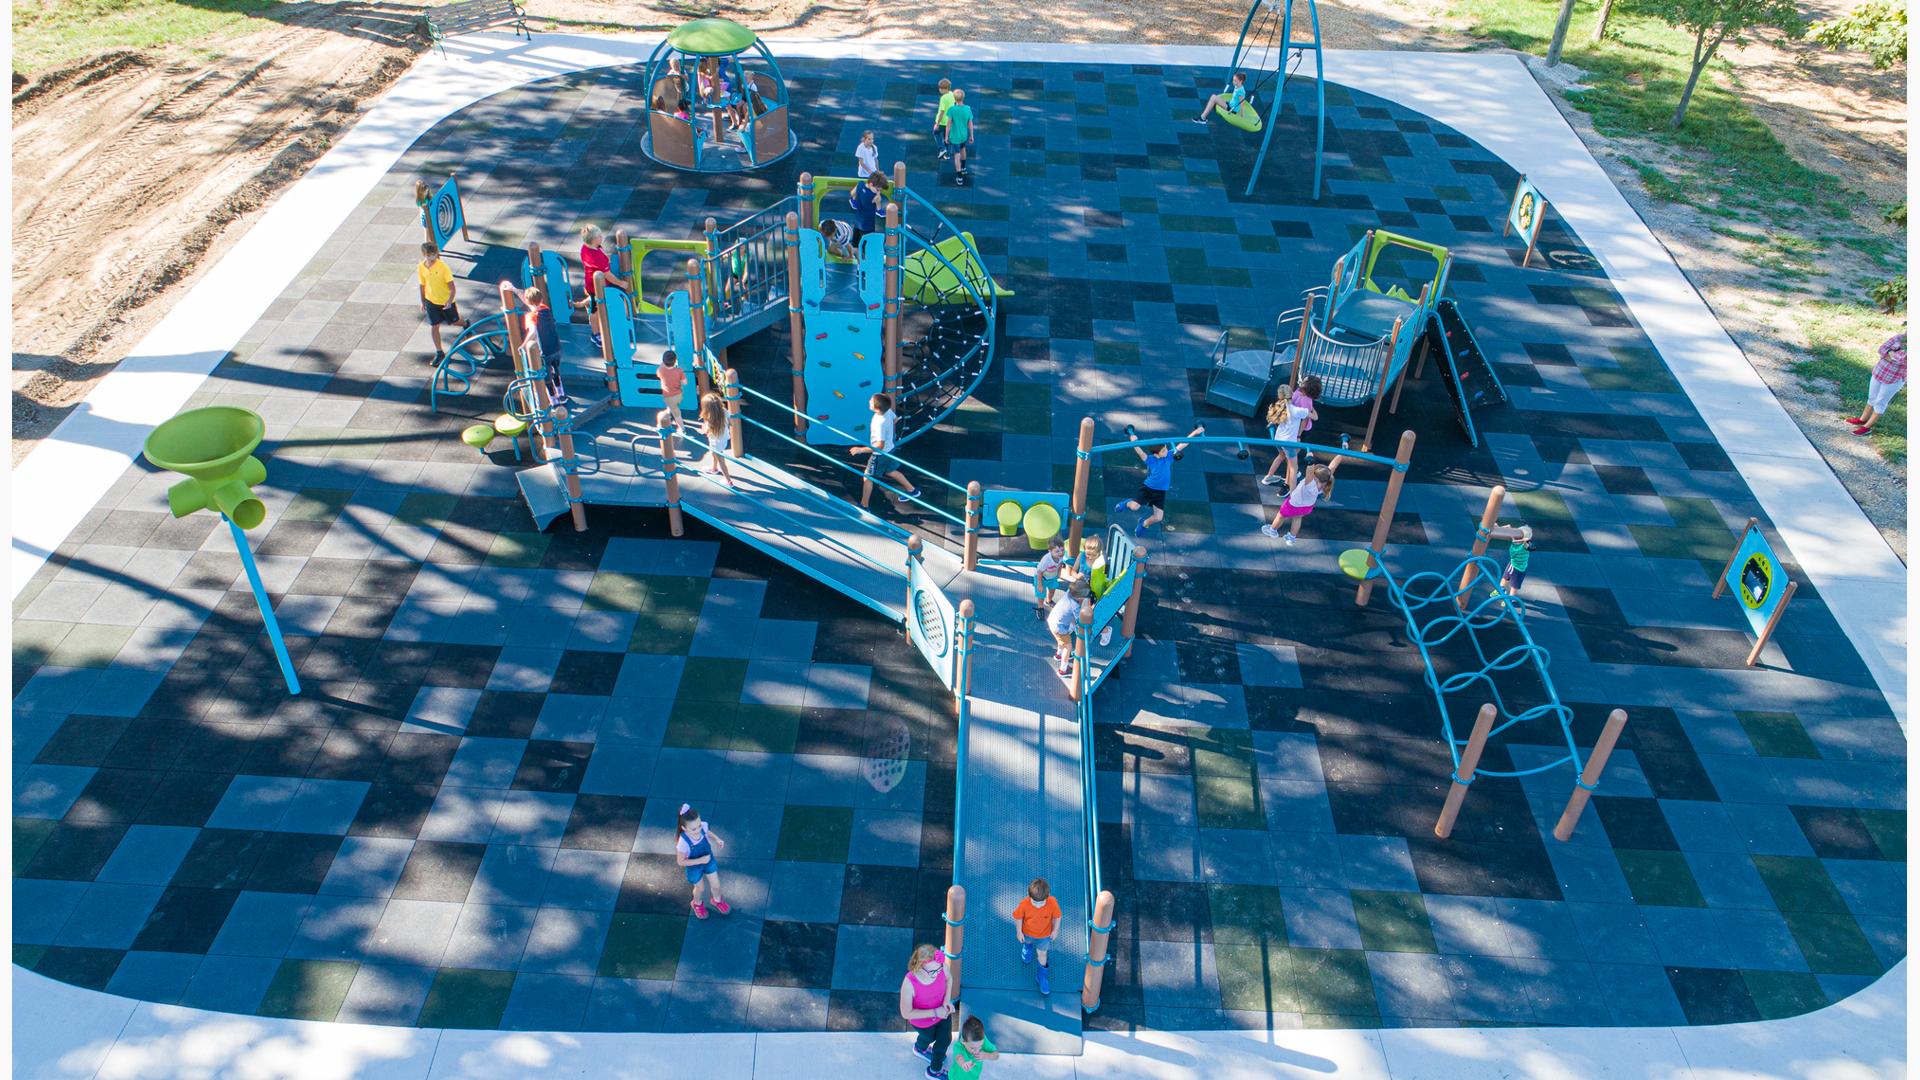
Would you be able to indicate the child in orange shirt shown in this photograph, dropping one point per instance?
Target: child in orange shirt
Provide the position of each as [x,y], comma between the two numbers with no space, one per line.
[1036,920]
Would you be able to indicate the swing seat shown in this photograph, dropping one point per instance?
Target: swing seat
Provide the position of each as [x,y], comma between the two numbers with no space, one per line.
[1247,119]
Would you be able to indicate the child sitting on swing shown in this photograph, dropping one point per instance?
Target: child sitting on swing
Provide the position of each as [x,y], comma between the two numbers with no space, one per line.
[1230,99]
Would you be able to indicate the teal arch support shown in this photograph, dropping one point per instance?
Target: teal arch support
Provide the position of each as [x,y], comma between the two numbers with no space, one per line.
[1243,47]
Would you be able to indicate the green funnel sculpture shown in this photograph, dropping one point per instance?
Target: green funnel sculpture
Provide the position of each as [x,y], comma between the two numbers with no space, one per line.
[213,448]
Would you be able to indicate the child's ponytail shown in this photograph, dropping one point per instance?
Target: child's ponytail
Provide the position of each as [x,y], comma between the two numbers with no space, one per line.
[1278,411]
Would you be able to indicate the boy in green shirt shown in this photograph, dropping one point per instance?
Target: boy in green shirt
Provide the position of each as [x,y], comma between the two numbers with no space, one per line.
[960,135]
[1519,554]
[940,118]
[970,1057]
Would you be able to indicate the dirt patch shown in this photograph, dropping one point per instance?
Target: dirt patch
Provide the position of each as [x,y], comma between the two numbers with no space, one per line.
[132,168]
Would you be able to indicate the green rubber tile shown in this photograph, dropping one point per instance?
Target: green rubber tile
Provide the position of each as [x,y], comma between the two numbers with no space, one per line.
[1889,831]
[1232,277]
[315,504]
[1637,370]
[1264,245]
[1125,95]
[90,646]
[1027,265]
[1343,1023]
[1026,422]
[29,956]
[1028,170]
[770,729]
[465,998]
[308,989]
[1189,517]
[34,640]
[643,947]
[1254,978]
[1799,883]
[1246,915]
[1222,752]
[1116,353]
[815,833]
[1700,545]
[708,678]
[1092,133]
[1659,878]
[1090,108]
[519,549]
[1036,396]
[1197,223]
[1393,921]
[701,725]
[363,444]
[426,508]
[1832,944]
[1228,802]
[1331,981]
[678,594]
[1779,994]
[1188,266]
[1691,513]
[1142,204]
[1448,193]
[976,416]
[611,590]
[669,633]
[1777,734]
[28,835]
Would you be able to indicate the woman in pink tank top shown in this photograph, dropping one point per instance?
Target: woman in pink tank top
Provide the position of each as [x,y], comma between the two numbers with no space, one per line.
[923,1003]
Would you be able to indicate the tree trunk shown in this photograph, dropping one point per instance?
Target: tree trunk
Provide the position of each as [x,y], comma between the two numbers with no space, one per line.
[1701,59]
[1560,32]
[1600,25]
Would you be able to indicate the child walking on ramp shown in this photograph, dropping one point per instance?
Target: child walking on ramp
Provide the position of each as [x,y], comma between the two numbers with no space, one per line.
[1036,920]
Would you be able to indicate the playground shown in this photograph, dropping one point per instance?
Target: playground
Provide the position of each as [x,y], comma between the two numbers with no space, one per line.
[518,653]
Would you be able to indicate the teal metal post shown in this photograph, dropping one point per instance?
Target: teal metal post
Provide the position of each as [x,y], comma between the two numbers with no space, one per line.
[1279,97]
[266,605]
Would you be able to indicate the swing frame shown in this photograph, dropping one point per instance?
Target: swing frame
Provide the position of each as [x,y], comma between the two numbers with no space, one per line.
[1280,12]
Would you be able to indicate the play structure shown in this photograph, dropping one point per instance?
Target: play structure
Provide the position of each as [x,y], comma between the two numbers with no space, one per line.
[1359,332]
[1268,32]
[214,449]
[1242,380]
[736,113]
[1464,620]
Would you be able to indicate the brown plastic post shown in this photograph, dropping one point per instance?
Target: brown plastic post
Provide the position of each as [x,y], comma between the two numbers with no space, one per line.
[697,304]
[1772,621]
[597,322]
[796,330]
[956,938]
[974,501]
[1469,761]
[1488,519]
[1130,615]
[1083,464]
[1590,776]
[1082,670]
[1388,503]
[1300,350]
[1097,950]
[1420,361]
[1373,416]
[913,556]
[805,190]
[890,306]
[736,428]
[577,507]
[516,348]
[1720,583]
[669,465]
[900,177]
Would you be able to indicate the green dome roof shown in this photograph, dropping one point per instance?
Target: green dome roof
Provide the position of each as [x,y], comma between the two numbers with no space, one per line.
[712,37]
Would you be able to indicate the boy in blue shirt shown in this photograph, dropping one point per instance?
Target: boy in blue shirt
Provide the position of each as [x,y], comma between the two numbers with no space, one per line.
[960,135]
[1153,490]
[866,203]
[1230,99]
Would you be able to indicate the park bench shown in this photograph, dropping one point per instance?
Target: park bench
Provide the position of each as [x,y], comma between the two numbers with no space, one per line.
[470,15]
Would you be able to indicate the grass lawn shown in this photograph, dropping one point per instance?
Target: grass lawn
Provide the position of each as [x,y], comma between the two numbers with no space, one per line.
[1788,220]
[1845,341]
[50,33]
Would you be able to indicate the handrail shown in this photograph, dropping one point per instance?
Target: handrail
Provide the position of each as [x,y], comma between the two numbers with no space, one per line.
[888,526]
[858,441]
[695,440]
[1246,440]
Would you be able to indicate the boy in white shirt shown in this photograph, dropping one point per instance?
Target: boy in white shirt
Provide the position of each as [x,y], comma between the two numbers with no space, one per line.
[878,451]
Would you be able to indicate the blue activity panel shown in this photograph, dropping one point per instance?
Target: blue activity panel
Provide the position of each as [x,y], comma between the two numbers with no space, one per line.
[551,276]
[444,214]
[1757,580]
[932,624]
[843,371]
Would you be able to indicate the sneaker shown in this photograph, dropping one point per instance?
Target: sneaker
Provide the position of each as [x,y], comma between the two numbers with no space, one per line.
[926,1054]
[1273,481]
[699,910]
[1201,120]
[1121,506]
[723,907]
[1855,421]
[1268,530]
[1140,529]
[1026,952]
[1041,976]
[936,1074]
[1288,539]
[1863,430]
[437,357]
[1066,666]
[594,340]
[914,494]
[1106,635]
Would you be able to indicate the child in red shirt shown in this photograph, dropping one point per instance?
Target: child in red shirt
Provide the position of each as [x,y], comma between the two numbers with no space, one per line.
[1036,920]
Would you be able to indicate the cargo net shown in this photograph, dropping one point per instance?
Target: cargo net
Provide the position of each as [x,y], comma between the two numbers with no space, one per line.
[946,322]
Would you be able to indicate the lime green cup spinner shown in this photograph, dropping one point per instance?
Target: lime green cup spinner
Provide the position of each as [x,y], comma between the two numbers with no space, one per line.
[213,447]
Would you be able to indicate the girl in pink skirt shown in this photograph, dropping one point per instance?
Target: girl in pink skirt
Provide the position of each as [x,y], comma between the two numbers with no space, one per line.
[1315,483]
